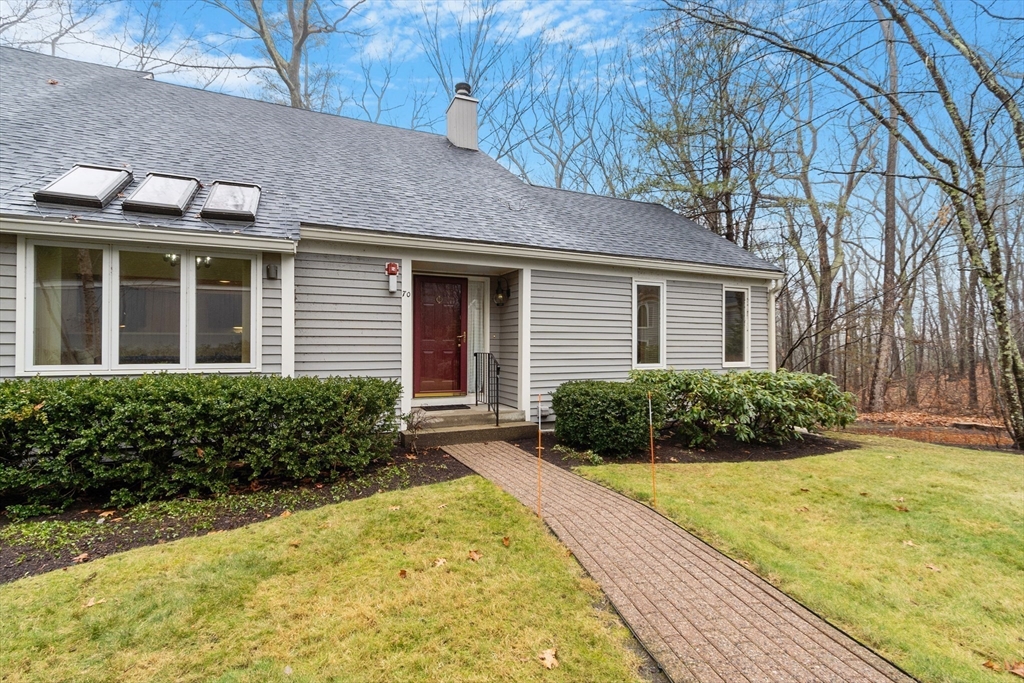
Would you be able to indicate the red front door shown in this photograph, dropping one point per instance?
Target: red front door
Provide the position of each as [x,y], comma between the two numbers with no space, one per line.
[439,335]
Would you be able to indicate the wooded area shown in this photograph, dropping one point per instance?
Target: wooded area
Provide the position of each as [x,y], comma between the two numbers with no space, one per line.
[874,151]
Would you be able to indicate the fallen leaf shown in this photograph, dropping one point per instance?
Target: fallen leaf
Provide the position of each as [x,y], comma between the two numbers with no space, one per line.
[506,541]
[107,513]
[117,519]
[52,81]
[474,555]
[78,559]
[803,508]
[287,671]
[200,452]
[673,459]
[910,543]
[992,665]
[898,500]
[442,506]
[805,490]
[440,562]
[395,507]
[295,544]
[93,601]
[410,456]
[901,508]
[318,486]
[932,567]
[889,457]
[402,574]
[286,513]
[549,658]
[863,493]
[1016,668]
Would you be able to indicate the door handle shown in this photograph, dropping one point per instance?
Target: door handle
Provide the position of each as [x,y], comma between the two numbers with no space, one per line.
[461,338]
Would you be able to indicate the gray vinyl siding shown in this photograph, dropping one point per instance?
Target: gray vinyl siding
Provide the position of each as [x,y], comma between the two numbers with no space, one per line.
[8,286]
[346,321]
[271,317]
[694,325]
[581,329]
[759,328]
[694,319]
[506,321]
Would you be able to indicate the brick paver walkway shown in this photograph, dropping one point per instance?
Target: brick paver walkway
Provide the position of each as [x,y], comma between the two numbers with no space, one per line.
[702,616]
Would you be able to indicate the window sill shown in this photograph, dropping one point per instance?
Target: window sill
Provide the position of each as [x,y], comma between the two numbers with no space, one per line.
[79,371]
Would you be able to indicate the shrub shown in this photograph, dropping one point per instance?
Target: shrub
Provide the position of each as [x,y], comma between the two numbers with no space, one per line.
[166,434]
[764,407]
[609,418]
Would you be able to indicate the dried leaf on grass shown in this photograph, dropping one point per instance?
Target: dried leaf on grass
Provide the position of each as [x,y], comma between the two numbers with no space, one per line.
[506,541]
[932,567]
[442,506]
[803,508]
[295,544]
[440,562]
[78,559]
[93,602]
[910,543]
[1016,668]
[394,507]
[286,513]
[402,574]
[989,664]
[549,658]
[475,555]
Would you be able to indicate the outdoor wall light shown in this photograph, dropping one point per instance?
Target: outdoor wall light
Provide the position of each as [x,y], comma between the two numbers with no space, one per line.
[502,293]
[204,261]
[172,258]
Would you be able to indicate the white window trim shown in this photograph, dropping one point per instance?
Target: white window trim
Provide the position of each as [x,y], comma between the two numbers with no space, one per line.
[745,363]
[663,351]
[25,312]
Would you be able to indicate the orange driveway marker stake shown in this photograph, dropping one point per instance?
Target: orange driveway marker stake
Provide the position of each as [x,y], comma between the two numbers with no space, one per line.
[650,419]
[540,447]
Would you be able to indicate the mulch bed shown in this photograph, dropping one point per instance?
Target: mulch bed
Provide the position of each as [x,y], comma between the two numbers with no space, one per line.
[726,450]
[116,534]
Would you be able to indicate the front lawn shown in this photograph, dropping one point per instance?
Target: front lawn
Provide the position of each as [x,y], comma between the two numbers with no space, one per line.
[916,550]
[355,591]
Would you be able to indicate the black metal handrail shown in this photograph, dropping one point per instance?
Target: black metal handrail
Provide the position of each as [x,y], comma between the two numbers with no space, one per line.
[488,378]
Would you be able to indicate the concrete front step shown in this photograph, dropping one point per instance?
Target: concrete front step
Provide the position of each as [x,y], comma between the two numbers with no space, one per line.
[446,436]
[473,416]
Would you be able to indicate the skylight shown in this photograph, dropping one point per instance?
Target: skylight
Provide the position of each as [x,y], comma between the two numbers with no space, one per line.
[232,201]
[85,185]
[163,194]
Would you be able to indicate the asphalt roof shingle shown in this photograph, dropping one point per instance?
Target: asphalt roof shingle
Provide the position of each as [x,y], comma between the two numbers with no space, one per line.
[314,169]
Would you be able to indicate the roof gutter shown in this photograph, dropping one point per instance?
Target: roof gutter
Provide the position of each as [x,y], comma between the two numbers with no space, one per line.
[383,239]
[115,232]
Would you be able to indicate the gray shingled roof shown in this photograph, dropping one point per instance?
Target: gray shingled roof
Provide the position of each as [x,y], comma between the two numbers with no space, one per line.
[314,168]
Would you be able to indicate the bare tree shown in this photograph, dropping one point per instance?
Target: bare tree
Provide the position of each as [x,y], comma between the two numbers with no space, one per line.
[285,33]
[976,113]
[45,24]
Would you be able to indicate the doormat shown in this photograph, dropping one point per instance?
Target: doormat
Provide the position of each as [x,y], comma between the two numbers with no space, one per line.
[432,408]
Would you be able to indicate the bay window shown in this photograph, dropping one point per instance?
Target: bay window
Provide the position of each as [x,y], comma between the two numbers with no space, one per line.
[96,308]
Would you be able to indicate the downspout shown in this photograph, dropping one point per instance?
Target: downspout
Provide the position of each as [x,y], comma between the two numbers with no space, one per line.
[772,291]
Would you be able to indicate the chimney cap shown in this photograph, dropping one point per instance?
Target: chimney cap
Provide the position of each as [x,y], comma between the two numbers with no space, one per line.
[462,89]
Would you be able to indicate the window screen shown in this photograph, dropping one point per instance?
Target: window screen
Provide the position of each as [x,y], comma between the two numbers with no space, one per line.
[92,186]
[163,194]
[735,326]
[149,328]
[223,308]
[68,302]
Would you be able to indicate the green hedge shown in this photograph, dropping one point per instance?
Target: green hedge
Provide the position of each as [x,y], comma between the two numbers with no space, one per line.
[609,418]
[750,406]
[166,434]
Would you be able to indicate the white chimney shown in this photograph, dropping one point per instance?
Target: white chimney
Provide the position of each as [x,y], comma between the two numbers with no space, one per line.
[462,131]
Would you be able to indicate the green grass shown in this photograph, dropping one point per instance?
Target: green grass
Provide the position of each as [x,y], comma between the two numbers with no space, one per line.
[320,592]
[827,530]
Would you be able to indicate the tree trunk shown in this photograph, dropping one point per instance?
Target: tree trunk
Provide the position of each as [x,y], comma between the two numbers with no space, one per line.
[880,376]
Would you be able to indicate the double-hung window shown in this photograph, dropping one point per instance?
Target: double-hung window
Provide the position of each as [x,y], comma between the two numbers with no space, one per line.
[97,308]
[649,324]
[736,327]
